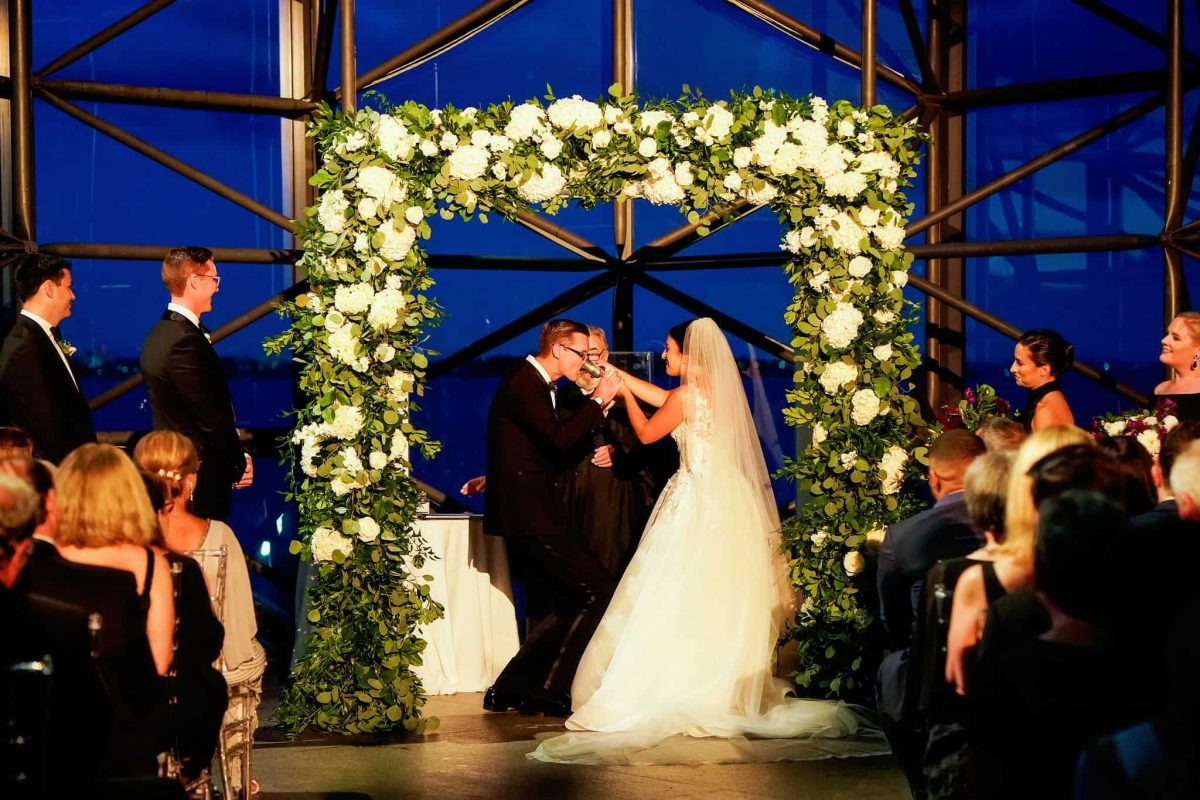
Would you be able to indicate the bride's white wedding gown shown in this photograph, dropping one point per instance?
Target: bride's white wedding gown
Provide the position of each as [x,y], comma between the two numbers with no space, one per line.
[687,642]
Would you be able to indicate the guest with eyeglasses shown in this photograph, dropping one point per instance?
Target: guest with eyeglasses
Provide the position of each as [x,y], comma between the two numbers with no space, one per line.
[187,384]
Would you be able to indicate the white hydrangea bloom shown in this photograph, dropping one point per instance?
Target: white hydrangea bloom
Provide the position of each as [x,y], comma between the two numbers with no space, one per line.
[526,119]
[845,234]
[343,344]
[880,162]
[601,139]
[468,162]
[716,125]
[612,114]
[400,383]
[841,326]
[791,242]
[845,128]
[331,213]
[551,147]
[397,241]
[340,486]
[351,463]
[354,142]
[760,197]
[448,142]
[366,209]
[662,191]
[820,109]
[414,215]
[498,143]
[864,406]
[575,113]
[326,540]
[379,184]
[819,281]
[543,186]
[347,422]
[868,217]
[394,139]
[428,148]
[368,529]
[354,298]
[499,171]
[733,182]
[848,459]
[836,375]
[683,174]
[845,184]
[386,309]
[742,157]
[892,467]
[649,121]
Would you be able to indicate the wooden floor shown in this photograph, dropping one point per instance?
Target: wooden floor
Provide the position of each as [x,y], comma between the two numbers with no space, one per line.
[477,754]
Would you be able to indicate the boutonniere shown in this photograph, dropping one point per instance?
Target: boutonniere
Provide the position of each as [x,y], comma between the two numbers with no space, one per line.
[67,348]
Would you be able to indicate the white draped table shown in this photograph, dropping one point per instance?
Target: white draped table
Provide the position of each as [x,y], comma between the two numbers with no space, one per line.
[472,643]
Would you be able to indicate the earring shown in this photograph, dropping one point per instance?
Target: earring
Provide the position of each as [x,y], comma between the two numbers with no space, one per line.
[1195,362]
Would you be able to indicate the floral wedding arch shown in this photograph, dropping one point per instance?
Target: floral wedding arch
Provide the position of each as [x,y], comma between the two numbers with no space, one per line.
[832,175]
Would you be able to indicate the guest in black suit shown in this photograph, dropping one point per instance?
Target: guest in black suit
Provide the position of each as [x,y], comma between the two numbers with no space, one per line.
[529,440]
[189,391]
[40,393]
[908,550]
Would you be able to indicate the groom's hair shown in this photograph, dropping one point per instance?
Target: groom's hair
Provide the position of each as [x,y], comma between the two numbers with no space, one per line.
[35,269]
[182,263]
[558,330]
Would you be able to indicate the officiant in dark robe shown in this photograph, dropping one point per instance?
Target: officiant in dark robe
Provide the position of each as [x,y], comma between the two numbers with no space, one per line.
[610,492]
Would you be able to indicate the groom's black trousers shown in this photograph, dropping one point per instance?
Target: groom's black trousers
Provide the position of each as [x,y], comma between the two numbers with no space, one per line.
[577,588]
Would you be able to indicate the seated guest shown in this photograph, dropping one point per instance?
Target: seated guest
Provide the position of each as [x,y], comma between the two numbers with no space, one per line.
[908,550]
[103,563]
[197,690]
[40,392]
[1137,465]
[1035,704]
[986,488]
[14,442]
[1181,352]
[1013,561]
[1001,434]
[1039,358]
[48,714]
[171,458]
[1165,515]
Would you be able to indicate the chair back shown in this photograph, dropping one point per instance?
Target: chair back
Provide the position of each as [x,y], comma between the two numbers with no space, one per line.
[215,565]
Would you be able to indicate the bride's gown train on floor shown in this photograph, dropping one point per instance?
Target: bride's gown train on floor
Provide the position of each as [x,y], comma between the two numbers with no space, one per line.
[687,642]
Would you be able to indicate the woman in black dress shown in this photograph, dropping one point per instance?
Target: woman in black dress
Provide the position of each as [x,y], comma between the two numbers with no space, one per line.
[1181,352]
[1040,356]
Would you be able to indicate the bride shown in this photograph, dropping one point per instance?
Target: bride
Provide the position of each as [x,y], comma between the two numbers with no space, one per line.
[687,642]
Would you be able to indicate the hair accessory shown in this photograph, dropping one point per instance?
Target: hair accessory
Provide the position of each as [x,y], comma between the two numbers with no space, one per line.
[170,473]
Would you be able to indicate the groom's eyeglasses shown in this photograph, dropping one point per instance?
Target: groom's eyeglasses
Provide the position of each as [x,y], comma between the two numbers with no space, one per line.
[582,356]
[596,355]
[216,279]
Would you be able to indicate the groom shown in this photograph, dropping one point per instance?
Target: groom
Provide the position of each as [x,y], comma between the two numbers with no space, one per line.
[528,439]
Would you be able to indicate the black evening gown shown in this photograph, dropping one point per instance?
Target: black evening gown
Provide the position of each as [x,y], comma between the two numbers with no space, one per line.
[200,690]
[1187,406]
[609,506]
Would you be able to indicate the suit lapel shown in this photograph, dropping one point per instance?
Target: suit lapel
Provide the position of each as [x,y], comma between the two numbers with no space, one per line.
[49,353]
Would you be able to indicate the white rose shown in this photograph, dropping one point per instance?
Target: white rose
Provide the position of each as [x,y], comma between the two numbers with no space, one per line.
[859,266]
[853,563]
[647,147]
[1149,440]
[733,181]
[899,278]
[623,128]
[845,129]
[649,121]
[717,123]
[883,352]
[378,459]
[428,148]
[480,139]
[683,174]
[448,141]
[884,317]
[368,529]
[819,281]
[414,215]
[819,434]
[890,237]
[601,139]
[868,217]
[499,171]
[385,353]
[836,375]
[864,406]
[400,383]
[499,144]
[742,157]
[612,114]
[1115,428]
[468,163]
[1170,421]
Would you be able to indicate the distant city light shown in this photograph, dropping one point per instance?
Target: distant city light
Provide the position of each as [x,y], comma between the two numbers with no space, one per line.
[264,549]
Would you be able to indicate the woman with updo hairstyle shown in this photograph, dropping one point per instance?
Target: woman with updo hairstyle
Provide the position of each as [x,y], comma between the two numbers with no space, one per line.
[171,458]
[1180,350]
[1040,356]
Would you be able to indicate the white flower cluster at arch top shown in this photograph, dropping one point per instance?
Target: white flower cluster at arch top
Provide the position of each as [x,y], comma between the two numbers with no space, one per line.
[832,174]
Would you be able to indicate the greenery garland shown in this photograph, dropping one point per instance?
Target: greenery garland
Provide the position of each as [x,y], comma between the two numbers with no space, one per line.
[833,176]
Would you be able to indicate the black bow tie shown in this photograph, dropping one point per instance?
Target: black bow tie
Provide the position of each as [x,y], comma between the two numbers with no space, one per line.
[56,332]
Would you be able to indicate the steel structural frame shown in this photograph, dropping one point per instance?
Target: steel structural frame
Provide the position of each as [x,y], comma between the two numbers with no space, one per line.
[940,96]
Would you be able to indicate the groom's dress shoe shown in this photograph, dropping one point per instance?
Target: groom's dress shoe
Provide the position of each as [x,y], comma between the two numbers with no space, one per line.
[552,704]
[500,700]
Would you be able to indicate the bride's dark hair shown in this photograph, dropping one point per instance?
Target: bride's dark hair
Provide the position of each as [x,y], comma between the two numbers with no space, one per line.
[679,331]
[1049,348]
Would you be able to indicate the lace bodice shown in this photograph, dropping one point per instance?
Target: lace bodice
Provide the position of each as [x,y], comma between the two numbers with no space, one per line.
[694,434]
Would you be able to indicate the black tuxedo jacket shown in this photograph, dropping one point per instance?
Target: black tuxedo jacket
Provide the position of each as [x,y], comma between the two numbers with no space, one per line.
[39,395]
[529,442]
[909,549]
[189,393]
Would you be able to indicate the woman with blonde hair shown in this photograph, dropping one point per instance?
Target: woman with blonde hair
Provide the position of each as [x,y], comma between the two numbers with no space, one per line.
[171,458]
[1012,556]
[1180,350]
